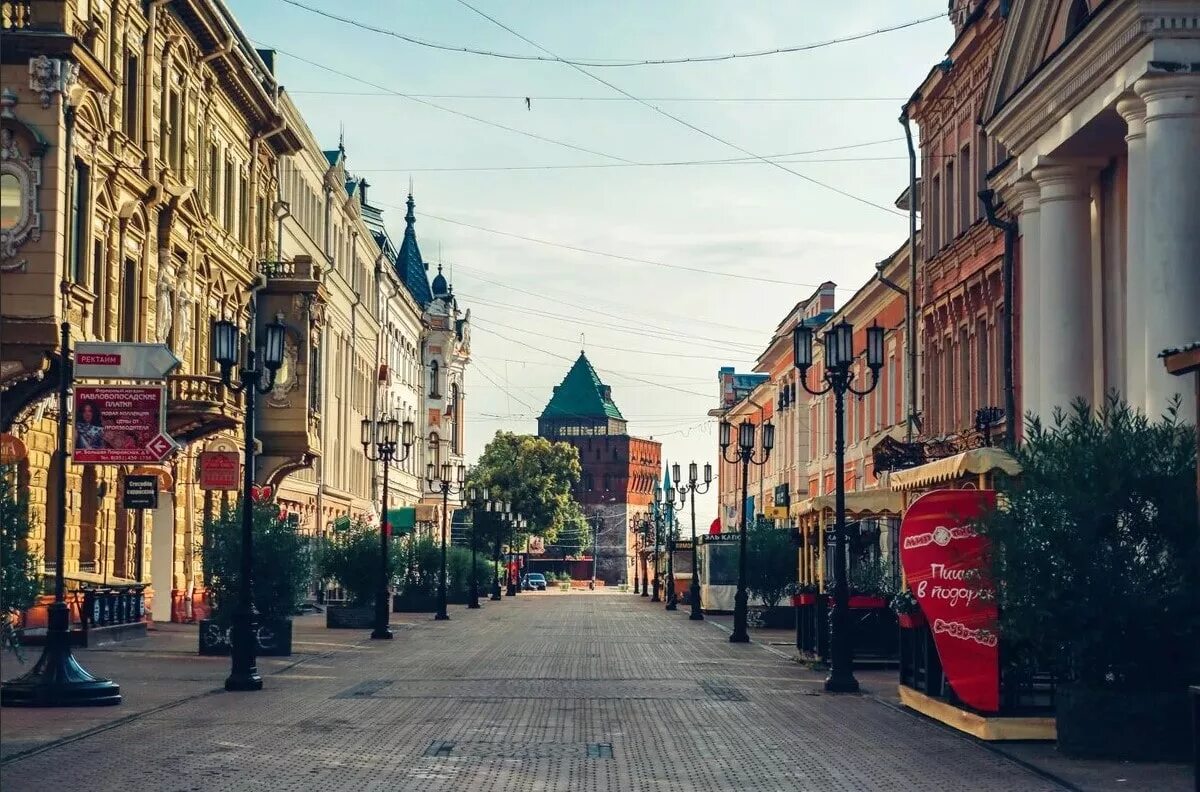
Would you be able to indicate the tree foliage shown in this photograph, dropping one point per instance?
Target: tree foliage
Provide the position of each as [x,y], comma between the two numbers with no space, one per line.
[770,562]
[536,476]
[19,581]
[351,559]
[1096,549]
[282,562]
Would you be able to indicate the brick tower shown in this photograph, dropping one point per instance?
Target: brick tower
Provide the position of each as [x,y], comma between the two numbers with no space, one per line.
[618,470]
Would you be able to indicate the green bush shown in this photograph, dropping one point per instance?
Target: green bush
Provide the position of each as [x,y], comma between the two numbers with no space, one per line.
[771,562]
[352,560]
[419,560]
[282,562]
[1096,551]
[19,582]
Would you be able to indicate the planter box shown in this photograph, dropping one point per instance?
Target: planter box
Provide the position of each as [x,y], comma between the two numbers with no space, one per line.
[349,618]
[1140,726]
[407,603]
[781,617]
[804,599]
[864,601]
[911,621]
[274,638]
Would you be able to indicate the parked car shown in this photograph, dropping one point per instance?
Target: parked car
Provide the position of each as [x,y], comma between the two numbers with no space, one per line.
[534,581]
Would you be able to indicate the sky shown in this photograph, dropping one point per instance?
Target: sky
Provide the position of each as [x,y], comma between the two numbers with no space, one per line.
[656,329]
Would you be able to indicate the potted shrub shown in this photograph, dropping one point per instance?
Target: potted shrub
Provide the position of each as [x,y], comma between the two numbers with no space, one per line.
[1095,555]
[870,584]
[351,559]
[280,583]
[564,581]
[19,580]
[770,571]
[908,612]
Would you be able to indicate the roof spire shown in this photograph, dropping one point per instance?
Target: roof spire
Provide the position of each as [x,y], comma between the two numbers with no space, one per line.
[341,137]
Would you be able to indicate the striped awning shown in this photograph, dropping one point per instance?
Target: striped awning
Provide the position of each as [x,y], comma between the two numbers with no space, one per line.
[977,461]
[858,504]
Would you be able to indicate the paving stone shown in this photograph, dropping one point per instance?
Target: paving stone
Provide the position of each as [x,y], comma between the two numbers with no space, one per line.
[589,693]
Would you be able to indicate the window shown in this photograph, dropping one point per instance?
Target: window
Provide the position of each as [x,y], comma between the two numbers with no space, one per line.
[214,176]
[80,211]
[173,131]
[227,188]
[966,198]
[964,372]
[893,377]
[948,211]
[434,379]
[98,287]
[453,412]
[1077,16]
[129,300]
[981,169]
[133,116]
[243,210]
[984,361]
[932,215]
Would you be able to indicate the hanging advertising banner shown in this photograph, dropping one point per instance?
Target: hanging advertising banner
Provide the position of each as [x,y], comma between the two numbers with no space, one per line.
[220,470]
[120,424]
[944,564]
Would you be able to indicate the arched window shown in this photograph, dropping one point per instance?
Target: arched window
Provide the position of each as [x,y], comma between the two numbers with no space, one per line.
[452,412]
[434,379]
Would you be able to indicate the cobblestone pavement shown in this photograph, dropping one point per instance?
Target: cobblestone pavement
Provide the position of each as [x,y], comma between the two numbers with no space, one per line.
[584,692]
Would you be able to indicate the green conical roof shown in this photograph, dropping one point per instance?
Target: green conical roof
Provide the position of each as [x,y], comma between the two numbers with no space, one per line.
[582,395]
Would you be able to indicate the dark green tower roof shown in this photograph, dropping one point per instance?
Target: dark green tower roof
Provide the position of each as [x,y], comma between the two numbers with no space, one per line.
[581,395]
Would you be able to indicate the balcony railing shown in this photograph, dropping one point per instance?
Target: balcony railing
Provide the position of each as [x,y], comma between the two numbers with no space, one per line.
[199,405]
[16,14]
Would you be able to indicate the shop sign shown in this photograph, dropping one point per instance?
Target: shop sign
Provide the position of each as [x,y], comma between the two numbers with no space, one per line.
[220,470]
[139,492]
[722,538]
[120,424]
[944,562]
[166,482]
[107,360]
[12,449]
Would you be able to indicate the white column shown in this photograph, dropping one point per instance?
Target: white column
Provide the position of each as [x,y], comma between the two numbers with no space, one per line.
[1171,274]
[1065,370]
[1028,199]
[1133,110]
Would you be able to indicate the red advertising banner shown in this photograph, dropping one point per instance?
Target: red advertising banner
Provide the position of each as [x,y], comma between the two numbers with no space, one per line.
[943,561]
[119,424]
[220,470]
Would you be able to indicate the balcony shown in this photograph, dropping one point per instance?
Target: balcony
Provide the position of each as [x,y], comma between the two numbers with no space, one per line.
[200,405]
[16,14]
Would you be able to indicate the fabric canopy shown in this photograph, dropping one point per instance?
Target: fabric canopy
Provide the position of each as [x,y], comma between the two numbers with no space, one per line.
[858,504]
[975,462]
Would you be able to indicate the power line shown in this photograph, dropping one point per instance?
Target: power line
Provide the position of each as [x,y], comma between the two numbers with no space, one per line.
[515,97]
[679,120]
[606,166]
[676,355]
[633,259]
[444,109]
[612,62]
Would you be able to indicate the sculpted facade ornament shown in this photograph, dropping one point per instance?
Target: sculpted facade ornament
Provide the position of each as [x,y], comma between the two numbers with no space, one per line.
[48,76]
[166,291]
[20,181]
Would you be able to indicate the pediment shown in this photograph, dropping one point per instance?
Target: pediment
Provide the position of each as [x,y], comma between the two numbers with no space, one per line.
[1023,49]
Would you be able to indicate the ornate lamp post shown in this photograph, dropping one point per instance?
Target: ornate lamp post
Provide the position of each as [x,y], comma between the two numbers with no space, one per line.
[838,377]
[744,453]
[480,505]
[384,435]
[695,488]
[57,679]
[502,511]
[515,524]
[634,526]
[656,522]
[451,480]
[670,531]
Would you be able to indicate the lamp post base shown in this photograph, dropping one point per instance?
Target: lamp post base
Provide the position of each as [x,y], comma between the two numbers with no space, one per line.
[694,594]
[739,638]
[382,634]
[244,682]
[841,682]
[57,679]
[495,594]
[672,606]
[474,605]
[441,617]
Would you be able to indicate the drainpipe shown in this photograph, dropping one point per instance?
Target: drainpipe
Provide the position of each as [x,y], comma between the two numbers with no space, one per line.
[988,197]
[224,49]
[911,320]
[909,340]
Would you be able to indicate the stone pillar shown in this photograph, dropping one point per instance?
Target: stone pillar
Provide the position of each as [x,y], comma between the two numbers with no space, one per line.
[1171,241]
[1028,308]
[1066,366]
[1137,359]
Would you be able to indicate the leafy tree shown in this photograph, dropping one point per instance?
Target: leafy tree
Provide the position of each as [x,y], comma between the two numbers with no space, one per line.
[352,559]
[282,562]
[1096,552]
[536,476]
[19,582]
[419,560]
[770,562]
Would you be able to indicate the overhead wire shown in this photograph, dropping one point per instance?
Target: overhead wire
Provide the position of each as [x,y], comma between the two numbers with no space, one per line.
[679,120]
[612,62]
[677,355]
[537,98]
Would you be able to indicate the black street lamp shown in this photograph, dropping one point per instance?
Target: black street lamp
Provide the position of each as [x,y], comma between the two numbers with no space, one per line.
[385,435]
[695,488]
[451,480]
[480,504]
[838,377]
[655,521]
[502,511]
[745,455]
[57,679]
[253,379]
[671,532]
[635,525]
[511,570]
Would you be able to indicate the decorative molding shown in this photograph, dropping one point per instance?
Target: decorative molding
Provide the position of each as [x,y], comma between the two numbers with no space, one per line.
[49,76]
[26,169]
